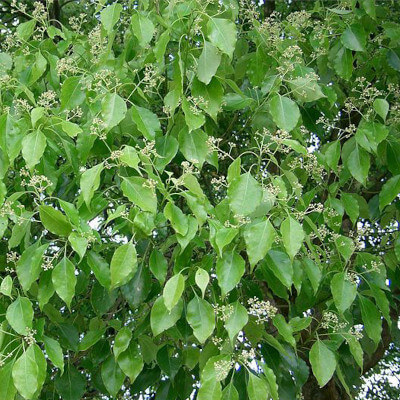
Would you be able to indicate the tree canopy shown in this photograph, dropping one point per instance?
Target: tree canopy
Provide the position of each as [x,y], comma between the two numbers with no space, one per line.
[198,198]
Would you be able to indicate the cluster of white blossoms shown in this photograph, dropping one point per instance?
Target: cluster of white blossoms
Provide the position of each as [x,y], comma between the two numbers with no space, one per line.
[12,257]
[222,368]
[22,105]
[196,103]
[151,78]
[223,312]
[66,65]
[261,309]
[39,182]
[352,277]
[6,209]
[150,184]
[148,149]
[331,320]
[246,357]
[98,43]
[97,128]
[29,337]
[219,182]
[47,99]
[76,22]
[240,221]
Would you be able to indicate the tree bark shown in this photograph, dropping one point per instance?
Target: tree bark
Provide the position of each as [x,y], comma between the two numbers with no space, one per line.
[331,391]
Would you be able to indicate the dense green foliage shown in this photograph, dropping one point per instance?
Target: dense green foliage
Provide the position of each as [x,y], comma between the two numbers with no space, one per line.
[197,198]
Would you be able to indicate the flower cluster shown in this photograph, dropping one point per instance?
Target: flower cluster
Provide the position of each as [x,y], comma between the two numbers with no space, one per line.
[30,336]
[261,309]
[47,99]
[223,312]
[97,128]
[246,357]
[222,368]
[331,321]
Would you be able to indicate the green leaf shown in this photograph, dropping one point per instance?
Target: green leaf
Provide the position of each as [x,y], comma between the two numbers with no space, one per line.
[158,265]
[323,362]
[257,388]
[358,163]
[29,265]
[390,191]
[354,38]
[369,134]
[25,374]
[130,157]
[20,315]
[110,16]
[280,265]
[71,385]
[90,182]
[113,109]
[230,392]
[355,350]
[200,316]
[25,29]
[146,122]
[161,319]
[135,190]
[131,361]
[112,376]
[343,292]
[244,194]
[351,206]
[194,119]
[100,268]
[54,352]
[292,236]
[142,28]
[345,246]
[284,329]
[6,286]
[343,62]
[160,46]
[229,269]
[202,280]
[71,129]
[91,338]
[72,94]
[371,318]
[331,153]
[393,59]
[236,321]
[208,63]
[64,280]
[306,89]
[193,146]
[313,273]
[178,219]
[212,95]
[78,243]
[122,340]
[381,106]
[123,265]
[54,221]
[285,112]
[173,290]
[7,388]
[33,146]
[222,34]
[369,7]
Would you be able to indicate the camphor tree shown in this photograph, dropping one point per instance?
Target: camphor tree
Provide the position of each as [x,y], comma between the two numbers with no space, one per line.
[199,198]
